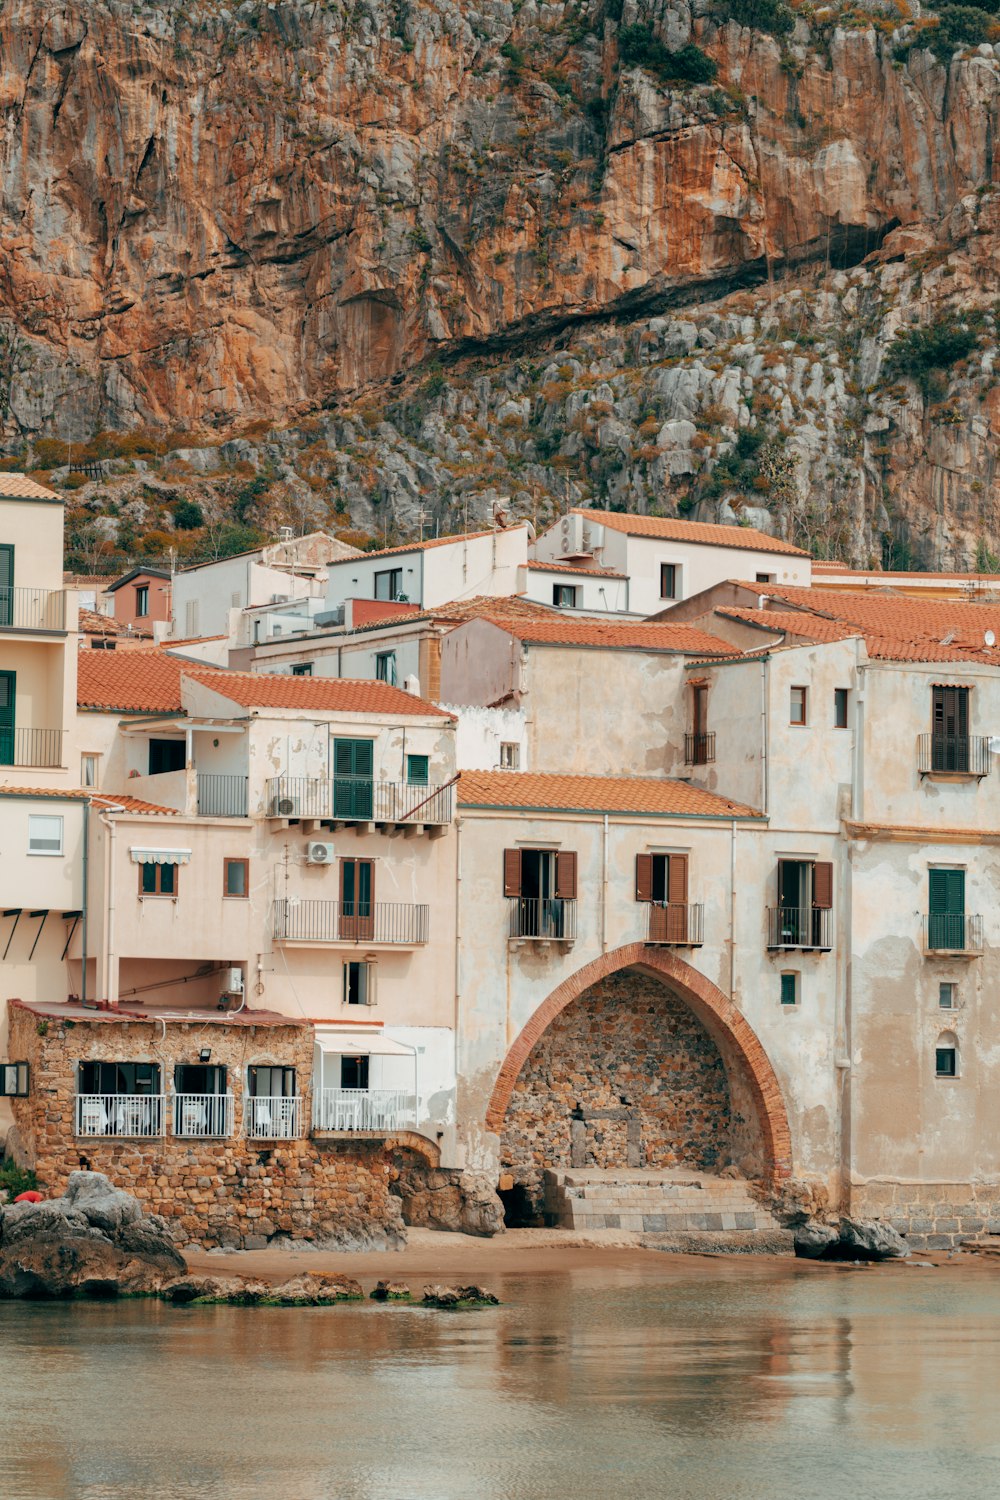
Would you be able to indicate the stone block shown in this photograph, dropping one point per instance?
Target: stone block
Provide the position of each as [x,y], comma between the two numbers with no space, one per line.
[947,1226]
[939,1241]
[746,1221]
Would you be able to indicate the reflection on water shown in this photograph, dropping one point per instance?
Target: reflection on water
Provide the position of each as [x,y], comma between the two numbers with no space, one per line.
[723,1382]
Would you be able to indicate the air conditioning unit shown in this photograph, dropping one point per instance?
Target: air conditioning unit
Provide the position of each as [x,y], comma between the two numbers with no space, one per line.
[234,985]
[319,854]
[284,807]
[571,535]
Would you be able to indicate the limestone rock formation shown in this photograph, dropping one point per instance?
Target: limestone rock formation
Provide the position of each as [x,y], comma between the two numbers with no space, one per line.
[94,1241]
[438,1198]
[851,1239]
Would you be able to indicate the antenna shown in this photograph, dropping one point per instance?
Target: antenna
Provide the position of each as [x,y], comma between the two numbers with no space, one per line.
[990,638]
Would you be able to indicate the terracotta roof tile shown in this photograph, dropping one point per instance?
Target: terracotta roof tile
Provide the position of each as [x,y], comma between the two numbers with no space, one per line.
[480,606]
[434,541]
[793,622]
[701,533]
[20,487]
[141,680]
[615,636]
[561,567]
[544,791]
[312,694]
[103,800]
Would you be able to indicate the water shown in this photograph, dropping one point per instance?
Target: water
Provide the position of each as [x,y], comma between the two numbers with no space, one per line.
[694,1381]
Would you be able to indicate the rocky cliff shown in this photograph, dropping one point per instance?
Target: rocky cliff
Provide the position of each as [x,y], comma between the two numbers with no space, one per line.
[638,254]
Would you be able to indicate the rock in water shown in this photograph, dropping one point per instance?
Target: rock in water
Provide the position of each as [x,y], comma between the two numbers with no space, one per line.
[459,1296]
[867,1239]
[390,1291]
[812,1241]
[94,1241]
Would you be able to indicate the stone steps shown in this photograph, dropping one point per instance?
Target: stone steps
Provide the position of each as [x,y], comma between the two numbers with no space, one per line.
[652,1202]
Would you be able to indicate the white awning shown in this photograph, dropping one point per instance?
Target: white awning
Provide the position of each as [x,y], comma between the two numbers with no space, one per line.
[159,856]
[349,1043]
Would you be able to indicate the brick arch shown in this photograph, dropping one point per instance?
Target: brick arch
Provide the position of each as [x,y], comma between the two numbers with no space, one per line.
[720,1017]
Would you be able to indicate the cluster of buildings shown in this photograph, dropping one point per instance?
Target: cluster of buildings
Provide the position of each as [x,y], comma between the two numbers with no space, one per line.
[640,843]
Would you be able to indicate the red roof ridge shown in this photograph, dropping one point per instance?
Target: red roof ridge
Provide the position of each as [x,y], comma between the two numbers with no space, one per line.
[333,694]
[554,791]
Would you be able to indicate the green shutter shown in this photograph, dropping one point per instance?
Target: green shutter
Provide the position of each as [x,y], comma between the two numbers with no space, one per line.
[353,764]
[946,924]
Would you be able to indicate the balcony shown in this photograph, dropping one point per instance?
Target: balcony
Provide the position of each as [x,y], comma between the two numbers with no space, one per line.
[545,920]
[699,749]
[36,748]
[199,1117]
[373,1111]
[125,1116]
[953,754]
[957,936]
[805,927]
[222,796]
[33,609]
[678,924]
[397,924]
[272,1118]
[357,799]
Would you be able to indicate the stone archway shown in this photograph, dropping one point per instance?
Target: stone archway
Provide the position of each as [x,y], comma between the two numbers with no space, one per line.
[647,1004]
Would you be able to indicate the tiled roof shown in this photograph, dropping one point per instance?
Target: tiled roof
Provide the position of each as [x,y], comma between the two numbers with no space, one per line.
[141,680]
[103,800]
[92,622]
[434,541]
[702,533]
[559,567]
[543,791]
[495,607]
[615,636]
[901,627]
[791,621]
[311,694]
[20,487]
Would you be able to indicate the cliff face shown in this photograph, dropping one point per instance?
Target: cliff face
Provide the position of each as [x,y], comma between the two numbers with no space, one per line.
[210,216]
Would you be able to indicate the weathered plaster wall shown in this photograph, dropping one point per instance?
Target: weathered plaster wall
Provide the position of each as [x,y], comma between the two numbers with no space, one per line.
[626,1041]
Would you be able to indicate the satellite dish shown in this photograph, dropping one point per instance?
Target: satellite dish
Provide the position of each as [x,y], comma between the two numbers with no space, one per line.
[990,637]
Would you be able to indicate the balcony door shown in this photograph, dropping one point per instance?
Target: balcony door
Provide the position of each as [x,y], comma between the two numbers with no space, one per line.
[8,694]
[353,789]
[6,585]
[946,921]
[950,729]
[357,900]
[668,894]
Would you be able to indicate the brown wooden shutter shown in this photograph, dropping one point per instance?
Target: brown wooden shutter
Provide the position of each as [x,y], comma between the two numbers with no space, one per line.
[781,882]
[677,879]
[566,875]
[823,884]
[512,872]
[644,877]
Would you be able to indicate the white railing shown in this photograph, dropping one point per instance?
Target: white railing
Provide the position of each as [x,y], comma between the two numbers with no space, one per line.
[134,1115]
[272,1118]
[197,1116]
[361,1109]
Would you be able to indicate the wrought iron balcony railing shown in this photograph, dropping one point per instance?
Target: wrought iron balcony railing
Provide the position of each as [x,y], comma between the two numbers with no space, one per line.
[699,749]
[32,609]
[358,799]
[129,1115]
[34,748]
[202,1116]
[221,796]
[799,927]
[967,754]
[272,1118]
[552,919]
[361,1109]
[391,922]
[945,932]
[677,923]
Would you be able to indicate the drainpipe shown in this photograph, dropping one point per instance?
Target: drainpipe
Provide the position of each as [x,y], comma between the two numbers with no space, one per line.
[604,889]
[110,986]
[765,767]
[458,951]
[85,903]
[732,911]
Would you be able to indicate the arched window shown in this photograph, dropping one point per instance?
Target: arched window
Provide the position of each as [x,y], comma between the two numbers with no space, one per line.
[946,1055]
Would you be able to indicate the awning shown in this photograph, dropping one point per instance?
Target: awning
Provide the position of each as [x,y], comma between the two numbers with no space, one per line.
[159,856]
[349,1043]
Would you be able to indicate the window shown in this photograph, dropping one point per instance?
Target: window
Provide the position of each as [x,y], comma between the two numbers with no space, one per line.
[119,1078]
[236,877]
[8,699]
[89,768]
[7,595]
[45,834]
[354,1072]
[353,787]
[418,770]
[271,1083]
[359,983]
[142,599]
[564,595]
[540,883]
[157,880]
[699,745]
[764,577]
[166,755]
[662,880]
[801,918]
[510,755]
[385,667]
[947,995]
[14,1079]
[789,989]
[668,580]
[946,1062]
[950,729]
[389,585]
[191,618]
[199,1078]
[946,910]
[357,893]
[302,669]
[840,708]
[797,705]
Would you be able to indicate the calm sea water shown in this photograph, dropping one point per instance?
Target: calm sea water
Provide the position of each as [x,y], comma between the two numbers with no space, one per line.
[722,1381]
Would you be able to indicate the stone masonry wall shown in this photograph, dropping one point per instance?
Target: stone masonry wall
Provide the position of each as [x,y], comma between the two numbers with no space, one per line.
[932,1215]
[233,1192]
[626,1038]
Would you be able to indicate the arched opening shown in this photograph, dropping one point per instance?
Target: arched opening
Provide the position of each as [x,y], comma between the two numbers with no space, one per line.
[638,1061]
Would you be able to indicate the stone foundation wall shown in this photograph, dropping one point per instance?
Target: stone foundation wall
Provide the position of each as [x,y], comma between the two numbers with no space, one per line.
[932,1215]
[625,1038]
[233,1192]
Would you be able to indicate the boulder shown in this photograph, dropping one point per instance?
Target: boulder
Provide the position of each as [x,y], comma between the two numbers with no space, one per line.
[390,1291]
[439,1198]
[315,1291]
[869,1239]
[459,1296]
[242,1291]
[813,1240]
[104,1205]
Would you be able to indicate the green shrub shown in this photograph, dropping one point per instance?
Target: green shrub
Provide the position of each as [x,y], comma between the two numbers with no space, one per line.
[959,26]
[924,354]
[17,1179]
[771,16]
[188,515]
[638,47]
